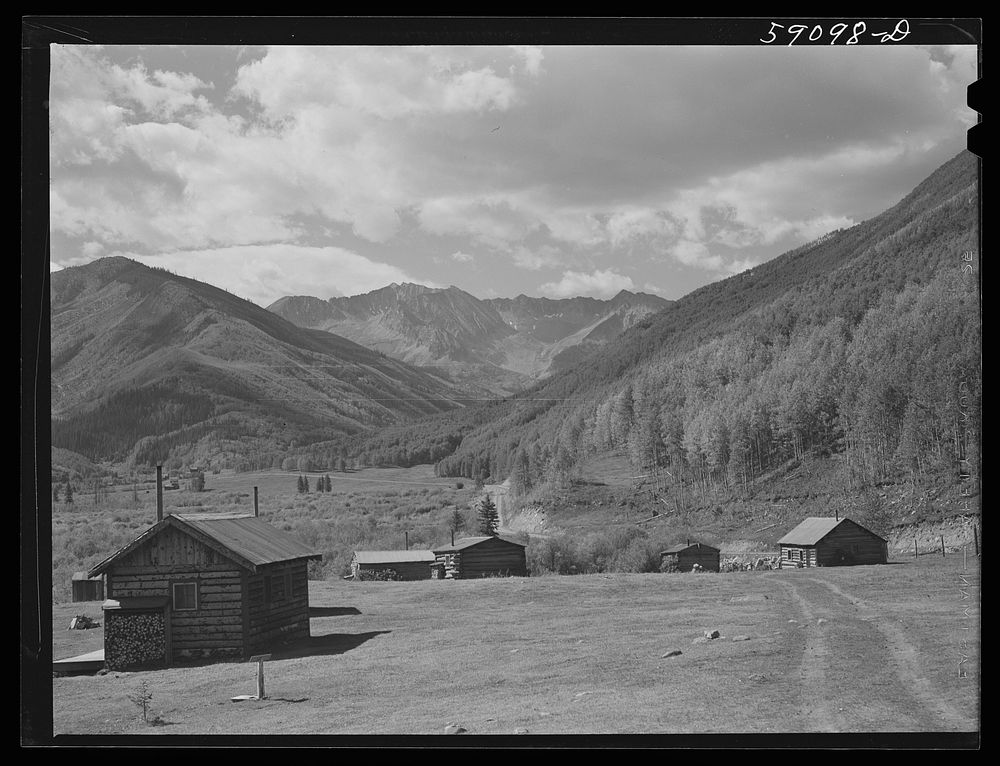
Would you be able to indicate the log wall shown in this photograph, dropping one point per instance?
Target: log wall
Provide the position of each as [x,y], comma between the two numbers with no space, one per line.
[215,628]
[850,544]
[492,558]
[277,613]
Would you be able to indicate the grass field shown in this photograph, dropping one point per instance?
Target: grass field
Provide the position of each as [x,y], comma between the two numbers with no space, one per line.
[891,648]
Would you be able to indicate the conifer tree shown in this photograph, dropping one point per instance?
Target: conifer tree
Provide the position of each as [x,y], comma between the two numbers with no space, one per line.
[489,519]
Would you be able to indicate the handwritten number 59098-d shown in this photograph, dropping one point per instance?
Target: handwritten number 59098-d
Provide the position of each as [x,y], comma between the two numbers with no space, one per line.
[818,32]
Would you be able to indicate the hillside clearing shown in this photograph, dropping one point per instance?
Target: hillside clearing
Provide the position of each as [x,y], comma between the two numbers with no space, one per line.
[891,648]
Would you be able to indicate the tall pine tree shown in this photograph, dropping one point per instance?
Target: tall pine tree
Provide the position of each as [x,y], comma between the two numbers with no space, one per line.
[489,518]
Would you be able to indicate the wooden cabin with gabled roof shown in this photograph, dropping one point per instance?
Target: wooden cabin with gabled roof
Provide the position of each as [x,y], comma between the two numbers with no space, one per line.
[392,565]
[203,585]
[683,557]
[484,556]
[828,542]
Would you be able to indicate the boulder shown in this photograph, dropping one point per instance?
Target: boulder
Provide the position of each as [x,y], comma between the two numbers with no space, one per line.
[741,638]
[671,653]
[454,728]
[710,634]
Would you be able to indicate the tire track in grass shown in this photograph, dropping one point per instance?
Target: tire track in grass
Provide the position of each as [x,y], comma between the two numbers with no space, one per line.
[820,714]
[906,664]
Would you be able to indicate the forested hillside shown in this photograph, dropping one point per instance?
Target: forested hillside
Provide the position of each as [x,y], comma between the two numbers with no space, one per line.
[865,343]
[149,366]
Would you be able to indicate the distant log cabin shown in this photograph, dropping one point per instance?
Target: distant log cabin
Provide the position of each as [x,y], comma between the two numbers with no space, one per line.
[87,588]
[474,557]
[206,585]
[826,542]
[400,565]
[684,556]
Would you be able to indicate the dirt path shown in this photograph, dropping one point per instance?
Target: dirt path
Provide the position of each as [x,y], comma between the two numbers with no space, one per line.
[905,663]
[845,639]
[818,711]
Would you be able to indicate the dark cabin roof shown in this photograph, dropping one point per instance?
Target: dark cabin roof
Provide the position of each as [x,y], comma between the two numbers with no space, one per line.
[248,540]
[814,529]
[469,542]
[680,547]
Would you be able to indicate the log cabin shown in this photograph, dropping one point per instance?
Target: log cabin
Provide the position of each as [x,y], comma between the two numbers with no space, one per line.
[397,565]
[683,557]
[473,557]
[827,542]
[203,586]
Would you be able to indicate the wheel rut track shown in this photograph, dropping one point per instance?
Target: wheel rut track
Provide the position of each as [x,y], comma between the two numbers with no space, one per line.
[905,662]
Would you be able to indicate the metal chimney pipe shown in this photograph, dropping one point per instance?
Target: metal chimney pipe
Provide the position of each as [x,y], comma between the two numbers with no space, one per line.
[406,540]
[159,493]
[453,537]
[256,508]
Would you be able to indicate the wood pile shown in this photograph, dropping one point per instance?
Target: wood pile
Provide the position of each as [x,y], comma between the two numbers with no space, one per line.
[134,639]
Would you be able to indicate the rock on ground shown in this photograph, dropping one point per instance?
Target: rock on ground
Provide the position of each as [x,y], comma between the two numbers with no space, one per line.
[454,728]
[671,653]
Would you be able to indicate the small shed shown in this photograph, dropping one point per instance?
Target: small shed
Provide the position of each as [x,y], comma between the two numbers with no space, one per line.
[684,556]
[204,585]
[399,565]
[487,556]
[827,542]
[87,588]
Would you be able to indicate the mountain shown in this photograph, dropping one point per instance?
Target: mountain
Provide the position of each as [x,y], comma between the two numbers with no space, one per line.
[864,345]
[498,344]
[145,362]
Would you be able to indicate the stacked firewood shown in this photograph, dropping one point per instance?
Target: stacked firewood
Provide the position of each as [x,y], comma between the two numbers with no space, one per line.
[134,639]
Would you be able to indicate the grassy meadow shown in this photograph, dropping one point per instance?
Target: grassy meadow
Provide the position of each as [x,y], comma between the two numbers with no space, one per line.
[375,508]
[891,648]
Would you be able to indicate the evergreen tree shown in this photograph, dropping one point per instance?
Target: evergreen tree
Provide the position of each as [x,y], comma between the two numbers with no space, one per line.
[55,493]
[69,492]
[198,482]
[301,482]
[456,522]
[489,518]
[327,484]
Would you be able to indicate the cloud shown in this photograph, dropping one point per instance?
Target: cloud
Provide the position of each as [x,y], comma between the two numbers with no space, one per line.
[385,82]
[714,157]
[597,284]
[264,273]
[537,258]
[462,257]
[532,56]
[636,222]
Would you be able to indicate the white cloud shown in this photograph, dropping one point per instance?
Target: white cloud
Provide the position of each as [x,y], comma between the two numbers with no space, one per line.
[535,259]
[532,55]
[633,223]
[386,82]
[92,249]
[597,284]
[264,273]
[489,220]
[462,257]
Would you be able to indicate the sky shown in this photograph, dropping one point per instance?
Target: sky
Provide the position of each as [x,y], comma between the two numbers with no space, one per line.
[539,170]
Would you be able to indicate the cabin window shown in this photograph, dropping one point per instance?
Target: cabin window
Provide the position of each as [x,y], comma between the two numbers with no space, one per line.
[185,596]
[277,587]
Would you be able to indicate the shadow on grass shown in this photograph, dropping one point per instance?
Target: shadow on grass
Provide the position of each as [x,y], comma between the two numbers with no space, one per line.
[321,646]
[332,611]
